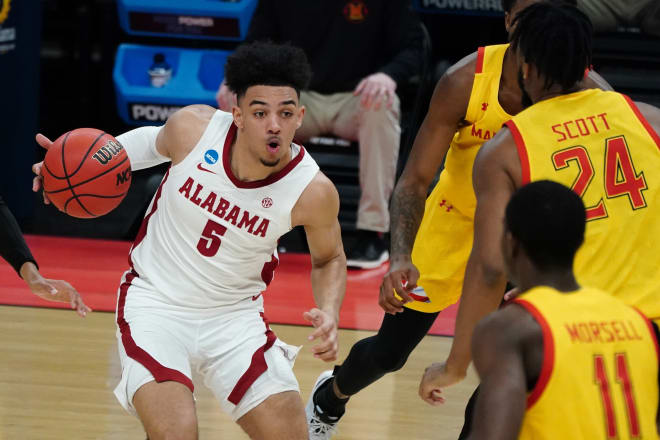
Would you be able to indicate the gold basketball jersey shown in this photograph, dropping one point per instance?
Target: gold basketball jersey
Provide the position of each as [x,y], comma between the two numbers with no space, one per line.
[601,146]
[444,239]
[599,378]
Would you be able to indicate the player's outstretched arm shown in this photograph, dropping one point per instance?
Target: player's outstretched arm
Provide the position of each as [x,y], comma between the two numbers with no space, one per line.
[496,175]
[446,113]
[317,211]
[498,347]
[150,146]
[14,249]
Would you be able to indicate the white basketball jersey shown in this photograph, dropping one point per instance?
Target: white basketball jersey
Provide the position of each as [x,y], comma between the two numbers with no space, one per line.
[209,239]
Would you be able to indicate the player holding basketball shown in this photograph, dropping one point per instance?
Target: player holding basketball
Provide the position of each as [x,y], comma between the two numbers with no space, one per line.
[207,249]
[601,144]
[469,105]
[563,361]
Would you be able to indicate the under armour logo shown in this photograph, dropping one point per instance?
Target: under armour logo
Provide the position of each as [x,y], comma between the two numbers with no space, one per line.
[484,106]
[267,202]
[445,205]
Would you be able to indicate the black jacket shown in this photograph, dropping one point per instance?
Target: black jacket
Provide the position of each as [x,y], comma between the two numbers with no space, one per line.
[345,40]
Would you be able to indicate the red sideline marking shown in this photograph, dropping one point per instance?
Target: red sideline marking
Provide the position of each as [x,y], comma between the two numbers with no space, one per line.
[548,352]
[522,151]
[480,60]
[257,367]
[92,265]
[643,120]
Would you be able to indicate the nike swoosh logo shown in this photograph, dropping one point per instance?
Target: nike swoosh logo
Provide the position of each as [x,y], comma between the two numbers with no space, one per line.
[200,167]
[256,297]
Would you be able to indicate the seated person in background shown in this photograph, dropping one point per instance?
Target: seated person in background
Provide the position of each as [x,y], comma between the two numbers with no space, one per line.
[608,15]
[563,361]
[16,252]
[359,52]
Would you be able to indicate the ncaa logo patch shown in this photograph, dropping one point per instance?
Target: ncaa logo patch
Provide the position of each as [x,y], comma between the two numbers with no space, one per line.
[211,157]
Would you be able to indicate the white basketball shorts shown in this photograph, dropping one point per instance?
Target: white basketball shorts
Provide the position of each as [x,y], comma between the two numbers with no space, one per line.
[231,347]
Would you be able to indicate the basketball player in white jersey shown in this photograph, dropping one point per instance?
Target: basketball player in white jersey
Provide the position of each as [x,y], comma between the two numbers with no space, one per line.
[206,250]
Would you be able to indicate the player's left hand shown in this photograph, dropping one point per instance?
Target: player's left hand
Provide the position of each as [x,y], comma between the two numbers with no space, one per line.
[376,89]
[326,329]
[435,378]
[36,168]
[58,290]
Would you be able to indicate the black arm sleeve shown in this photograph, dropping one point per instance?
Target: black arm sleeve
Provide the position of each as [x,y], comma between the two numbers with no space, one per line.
[404,42]
[12,244]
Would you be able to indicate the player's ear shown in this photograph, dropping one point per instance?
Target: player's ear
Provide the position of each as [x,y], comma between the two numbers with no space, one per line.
[238,116]
[526,69]
[301,114]
[507,22]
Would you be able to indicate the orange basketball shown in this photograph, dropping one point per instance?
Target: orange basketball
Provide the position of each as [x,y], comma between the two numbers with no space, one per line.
[86,173]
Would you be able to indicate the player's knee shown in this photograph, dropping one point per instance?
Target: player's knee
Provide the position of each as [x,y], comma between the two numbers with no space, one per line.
[181,428]
[389,360]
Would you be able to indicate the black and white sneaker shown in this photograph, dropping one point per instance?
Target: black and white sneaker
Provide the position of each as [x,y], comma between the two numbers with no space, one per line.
[321,426]
[369,251]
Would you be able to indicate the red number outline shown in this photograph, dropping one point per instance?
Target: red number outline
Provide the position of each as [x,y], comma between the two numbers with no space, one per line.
[632,184]
[623,379]
[585,175]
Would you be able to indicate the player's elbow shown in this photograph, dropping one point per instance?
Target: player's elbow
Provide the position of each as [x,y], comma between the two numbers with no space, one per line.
[492,274]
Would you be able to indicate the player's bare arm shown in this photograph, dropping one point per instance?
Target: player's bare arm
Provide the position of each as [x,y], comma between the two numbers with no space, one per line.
[445,115]
[182,131]
[508,351]
[496,174]
[316,211]
[172,141]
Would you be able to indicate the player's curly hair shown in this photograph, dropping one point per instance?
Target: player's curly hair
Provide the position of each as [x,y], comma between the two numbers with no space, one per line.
[507,5]
[557,39]
[267,64]
[548,220]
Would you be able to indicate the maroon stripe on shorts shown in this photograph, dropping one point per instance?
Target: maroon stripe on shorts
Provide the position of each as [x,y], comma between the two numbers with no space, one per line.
[257,367]
[157,370]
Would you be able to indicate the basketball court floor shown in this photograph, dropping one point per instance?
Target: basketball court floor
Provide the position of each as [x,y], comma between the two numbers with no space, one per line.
[57,371]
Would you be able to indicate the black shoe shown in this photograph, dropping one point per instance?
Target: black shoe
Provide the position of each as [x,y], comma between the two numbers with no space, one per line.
[368,252]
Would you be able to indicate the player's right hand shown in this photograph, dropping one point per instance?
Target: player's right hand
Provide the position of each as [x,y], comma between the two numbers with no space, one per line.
[401,278]
[225,98]
[36,168]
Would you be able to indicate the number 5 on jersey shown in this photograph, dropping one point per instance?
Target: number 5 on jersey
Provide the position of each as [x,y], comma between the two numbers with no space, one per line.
[210,241]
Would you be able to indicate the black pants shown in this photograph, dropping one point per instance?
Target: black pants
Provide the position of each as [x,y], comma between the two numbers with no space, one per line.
[373,357]
[387,351]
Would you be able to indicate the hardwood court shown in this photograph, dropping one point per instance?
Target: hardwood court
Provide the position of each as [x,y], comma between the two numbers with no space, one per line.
[57,373]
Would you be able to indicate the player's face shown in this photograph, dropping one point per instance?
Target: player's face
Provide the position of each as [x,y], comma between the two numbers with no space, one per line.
[268,117]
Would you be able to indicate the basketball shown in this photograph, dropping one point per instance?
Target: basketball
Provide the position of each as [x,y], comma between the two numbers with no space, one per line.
[86,173]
